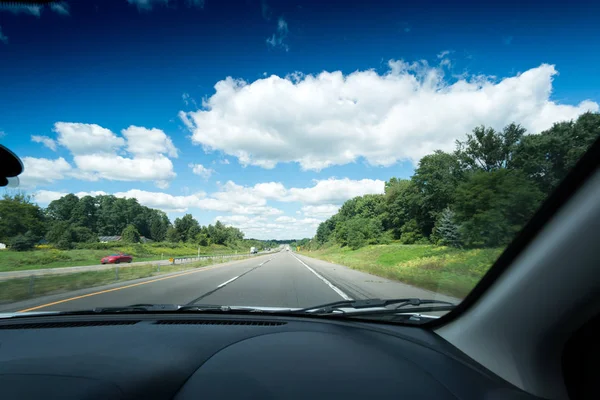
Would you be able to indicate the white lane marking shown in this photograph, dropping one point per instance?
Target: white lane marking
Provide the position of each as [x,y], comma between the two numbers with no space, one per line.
[264,262]
[229,281]
[331,285]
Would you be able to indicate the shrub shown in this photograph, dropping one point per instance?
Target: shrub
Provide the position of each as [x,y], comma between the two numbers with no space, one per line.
[22,242]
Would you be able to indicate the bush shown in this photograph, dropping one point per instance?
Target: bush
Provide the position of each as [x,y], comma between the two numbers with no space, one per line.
[22,242]
[410,233]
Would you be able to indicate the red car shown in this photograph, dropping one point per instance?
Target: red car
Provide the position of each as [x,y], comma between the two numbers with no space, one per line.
[116,259]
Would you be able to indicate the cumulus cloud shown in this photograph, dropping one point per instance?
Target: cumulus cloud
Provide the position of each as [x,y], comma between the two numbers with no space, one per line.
[114,167]
[322,211]
[44,197]
[82,138]
[163,201]
[263,228]
[335,191]
[96,153]
[277,40]
[43,171]
[45,140]
[334,119]
[143,141]
[201,170]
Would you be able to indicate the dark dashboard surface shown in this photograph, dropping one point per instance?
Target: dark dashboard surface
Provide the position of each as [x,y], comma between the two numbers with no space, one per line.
[188,357]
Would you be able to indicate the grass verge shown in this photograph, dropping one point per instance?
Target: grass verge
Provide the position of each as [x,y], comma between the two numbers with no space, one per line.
[27,288]
[441,269]
[54,258]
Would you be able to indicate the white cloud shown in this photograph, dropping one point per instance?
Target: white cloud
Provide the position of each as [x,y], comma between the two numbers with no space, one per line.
[61,8]
[82,138]
[277,40]
[3,38]
[263,228]
[224,161]
[45,140]
[97,152]
[163,201]
[143,141]
[44,197]
[43,171]
[92,193]
[113,167]
[322,211]
[335,119]
[285,219]
[201,170]
[335,191]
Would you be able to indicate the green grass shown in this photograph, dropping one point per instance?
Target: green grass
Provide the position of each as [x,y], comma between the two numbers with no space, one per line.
[53,258]
[26,288]
[441,269]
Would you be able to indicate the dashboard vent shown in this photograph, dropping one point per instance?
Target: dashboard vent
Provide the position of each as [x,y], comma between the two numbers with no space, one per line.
[69,324]
[217,322]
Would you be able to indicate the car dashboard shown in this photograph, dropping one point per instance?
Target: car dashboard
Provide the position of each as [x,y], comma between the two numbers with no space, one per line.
[184,356]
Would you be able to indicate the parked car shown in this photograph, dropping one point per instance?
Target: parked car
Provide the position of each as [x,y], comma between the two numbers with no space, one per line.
[117,258]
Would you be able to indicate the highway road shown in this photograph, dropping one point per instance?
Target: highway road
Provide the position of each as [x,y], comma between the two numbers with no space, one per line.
[283,279]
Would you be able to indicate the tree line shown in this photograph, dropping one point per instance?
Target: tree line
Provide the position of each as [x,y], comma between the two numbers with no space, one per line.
[70,220]
[480,195]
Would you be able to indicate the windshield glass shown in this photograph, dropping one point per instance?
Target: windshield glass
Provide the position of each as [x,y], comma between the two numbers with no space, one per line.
[281,155]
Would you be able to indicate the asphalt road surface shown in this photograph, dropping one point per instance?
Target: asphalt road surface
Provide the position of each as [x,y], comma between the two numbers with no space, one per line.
[283,279]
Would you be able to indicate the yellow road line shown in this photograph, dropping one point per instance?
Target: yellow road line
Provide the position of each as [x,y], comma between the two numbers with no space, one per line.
[120,288]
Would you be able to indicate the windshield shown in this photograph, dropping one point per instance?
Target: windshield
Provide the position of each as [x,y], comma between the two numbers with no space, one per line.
[280,155]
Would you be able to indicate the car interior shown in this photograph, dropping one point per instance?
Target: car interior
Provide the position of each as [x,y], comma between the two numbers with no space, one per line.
[528,330]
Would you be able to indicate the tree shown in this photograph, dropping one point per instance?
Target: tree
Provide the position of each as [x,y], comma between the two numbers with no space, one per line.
[62,209]
[401,203]
[446,231]
[435,180]
[56,230]
[159,223]
[491,207]
[19,215]
[130,234]
[184,224]
[84,213]
[172,235]
[548,157]
[488,150]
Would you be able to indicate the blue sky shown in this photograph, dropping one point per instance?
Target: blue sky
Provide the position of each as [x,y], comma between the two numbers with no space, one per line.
[289,107]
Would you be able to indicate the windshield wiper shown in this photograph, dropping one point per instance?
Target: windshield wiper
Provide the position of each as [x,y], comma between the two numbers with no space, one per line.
[338,306]
[161,308]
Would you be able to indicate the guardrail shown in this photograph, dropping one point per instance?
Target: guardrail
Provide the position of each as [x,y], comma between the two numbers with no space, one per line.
[181,260]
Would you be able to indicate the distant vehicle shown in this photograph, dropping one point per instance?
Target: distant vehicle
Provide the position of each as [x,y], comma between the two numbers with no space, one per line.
[117,258]
[253,250]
